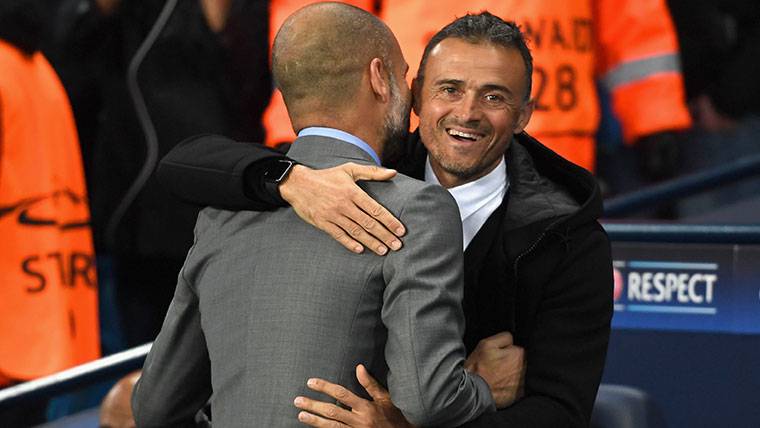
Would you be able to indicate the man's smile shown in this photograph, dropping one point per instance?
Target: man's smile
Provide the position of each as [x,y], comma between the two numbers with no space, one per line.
[464,135]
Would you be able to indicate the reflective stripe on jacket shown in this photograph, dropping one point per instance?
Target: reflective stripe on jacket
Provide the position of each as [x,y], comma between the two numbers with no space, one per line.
[639,64]
[632,43]
[629,44]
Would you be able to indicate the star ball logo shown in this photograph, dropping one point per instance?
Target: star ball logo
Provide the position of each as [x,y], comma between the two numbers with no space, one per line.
[62,209]
[618,283]
[48,260]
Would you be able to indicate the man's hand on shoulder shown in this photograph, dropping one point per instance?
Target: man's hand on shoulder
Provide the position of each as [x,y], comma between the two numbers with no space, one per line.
[330,200]
[502,365]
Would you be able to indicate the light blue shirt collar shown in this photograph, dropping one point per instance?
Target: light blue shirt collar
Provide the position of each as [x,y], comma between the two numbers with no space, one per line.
[340,135]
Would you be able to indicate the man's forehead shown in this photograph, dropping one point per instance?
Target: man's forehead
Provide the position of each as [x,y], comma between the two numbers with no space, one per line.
[481,51]
[458,59]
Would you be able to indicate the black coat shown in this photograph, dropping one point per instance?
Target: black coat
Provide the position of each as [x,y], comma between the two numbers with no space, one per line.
[540,267]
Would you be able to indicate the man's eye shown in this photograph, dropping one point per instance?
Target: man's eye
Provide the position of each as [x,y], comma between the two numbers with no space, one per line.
[449,90]
[492,98]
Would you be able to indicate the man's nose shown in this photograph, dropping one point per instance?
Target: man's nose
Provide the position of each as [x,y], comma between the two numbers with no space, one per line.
[468,109]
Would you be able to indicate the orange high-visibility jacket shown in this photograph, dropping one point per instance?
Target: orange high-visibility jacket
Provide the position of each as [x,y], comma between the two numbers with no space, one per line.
[630,44]
[275,119]
[48,292]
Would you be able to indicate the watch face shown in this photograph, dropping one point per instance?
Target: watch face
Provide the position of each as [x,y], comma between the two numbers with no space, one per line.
[277,171]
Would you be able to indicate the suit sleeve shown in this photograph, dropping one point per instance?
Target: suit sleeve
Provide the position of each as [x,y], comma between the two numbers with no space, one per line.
[176,378]
[567,346]
[423,315]
[220,172]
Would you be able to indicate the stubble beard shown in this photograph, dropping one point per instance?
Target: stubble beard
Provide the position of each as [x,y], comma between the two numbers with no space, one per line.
[464,169]
[396,124]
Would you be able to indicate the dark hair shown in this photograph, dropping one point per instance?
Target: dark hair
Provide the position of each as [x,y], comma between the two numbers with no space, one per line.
[483,27]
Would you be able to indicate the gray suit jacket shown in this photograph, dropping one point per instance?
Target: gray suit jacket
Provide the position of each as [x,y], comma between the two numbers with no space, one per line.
[265,301]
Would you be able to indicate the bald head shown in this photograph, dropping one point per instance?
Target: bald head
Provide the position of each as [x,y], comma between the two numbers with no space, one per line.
[320,53]
[116,409]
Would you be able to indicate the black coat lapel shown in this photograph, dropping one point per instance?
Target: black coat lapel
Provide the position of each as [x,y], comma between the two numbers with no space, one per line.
[488,291]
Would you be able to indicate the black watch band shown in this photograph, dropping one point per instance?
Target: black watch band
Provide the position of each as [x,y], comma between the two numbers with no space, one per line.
[274,174]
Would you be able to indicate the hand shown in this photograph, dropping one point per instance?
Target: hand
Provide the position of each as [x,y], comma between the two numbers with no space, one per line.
[377,413]
[502,365]
[330,200]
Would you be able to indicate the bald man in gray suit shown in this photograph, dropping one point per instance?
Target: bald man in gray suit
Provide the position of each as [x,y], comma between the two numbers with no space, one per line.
[265,301]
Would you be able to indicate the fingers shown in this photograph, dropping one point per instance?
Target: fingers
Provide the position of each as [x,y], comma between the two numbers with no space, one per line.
[319,422]
[516,355]
[470,365]
[341,236]
[356,231]
[497,347]
[499,340]
[336,391]
[380,236]
[390,223]
[388,226]
[516,350]
[330,200]
[373,387]
[321,414]
[369,172]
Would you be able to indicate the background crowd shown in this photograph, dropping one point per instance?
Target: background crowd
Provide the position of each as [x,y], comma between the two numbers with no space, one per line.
[636,91]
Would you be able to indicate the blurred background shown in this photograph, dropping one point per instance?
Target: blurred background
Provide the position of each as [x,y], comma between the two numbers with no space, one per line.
[660,99]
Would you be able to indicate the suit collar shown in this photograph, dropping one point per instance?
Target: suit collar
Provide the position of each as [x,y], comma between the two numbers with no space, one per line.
[326,152]
[340,135]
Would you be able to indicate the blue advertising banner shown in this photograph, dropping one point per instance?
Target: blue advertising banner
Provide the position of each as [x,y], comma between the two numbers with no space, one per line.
[687,287]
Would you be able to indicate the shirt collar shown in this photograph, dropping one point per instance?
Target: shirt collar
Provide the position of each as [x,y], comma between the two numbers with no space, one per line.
[340,135]
[472,196]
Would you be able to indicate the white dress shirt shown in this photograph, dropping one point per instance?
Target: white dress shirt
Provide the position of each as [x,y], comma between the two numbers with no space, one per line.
[478,199]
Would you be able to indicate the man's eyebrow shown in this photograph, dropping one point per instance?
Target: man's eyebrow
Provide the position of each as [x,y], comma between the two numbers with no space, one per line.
[496,87]
[454,82]
[485,88]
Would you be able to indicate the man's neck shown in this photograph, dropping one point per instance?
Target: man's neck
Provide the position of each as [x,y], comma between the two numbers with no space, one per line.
[433,176]
[342,135]
[357,120]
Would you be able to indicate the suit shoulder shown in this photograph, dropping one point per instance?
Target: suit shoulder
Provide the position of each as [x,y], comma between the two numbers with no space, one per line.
[402,191]
[215,223]
[413,187]
[210,217]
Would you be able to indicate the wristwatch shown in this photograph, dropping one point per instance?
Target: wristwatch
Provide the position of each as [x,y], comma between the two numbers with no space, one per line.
[275,173]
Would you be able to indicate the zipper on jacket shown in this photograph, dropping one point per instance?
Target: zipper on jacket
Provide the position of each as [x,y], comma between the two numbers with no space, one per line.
[533,246]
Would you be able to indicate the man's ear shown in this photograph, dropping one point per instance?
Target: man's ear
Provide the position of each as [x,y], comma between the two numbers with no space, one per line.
[525,113]
[416,88]
[377,80]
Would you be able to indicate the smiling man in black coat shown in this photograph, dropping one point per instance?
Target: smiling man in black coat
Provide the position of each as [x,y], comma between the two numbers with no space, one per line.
[537,262]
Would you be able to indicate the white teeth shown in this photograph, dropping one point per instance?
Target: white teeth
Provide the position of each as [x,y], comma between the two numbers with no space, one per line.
[456,133]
